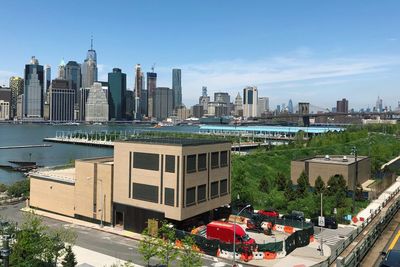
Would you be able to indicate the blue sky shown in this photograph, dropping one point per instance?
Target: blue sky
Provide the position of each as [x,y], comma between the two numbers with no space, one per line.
[316,51]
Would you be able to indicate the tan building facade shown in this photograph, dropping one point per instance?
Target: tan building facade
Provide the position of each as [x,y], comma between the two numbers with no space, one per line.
[327,166]
[178,180]
[174,180]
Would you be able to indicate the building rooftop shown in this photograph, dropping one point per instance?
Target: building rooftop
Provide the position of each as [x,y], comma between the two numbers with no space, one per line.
[62,175]
[335,159]
[176,141]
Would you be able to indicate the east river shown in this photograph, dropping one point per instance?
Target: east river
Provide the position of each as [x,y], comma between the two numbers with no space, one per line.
[57,154]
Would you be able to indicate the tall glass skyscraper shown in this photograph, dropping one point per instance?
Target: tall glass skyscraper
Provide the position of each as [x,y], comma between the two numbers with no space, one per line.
[47,75]
[73,76]
[177,87]
[151,87]
[89,68]
[117,95]
[33,92]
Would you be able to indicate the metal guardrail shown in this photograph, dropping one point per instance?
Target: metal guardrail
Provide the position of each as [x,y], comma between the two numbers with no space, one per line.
[362,248]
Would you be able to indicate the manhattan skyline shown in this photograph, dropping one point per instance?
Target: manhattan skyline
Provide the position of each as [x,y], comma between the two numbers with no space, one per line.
[304,51]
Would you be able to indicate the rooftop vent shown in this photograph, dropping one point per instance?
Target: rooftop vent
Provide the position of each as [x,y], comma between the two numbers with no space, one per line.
[327,157]
[345,159]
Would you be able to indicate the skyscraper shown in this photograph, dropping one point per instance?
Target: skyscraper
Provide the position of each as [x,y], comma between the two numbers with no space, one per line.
[250,101]
[96,105]
[137,92]
[117,95]
[61,70]
[17,88]
[238,105]
[177,87]
[163,101]
[263,106]
[89,68]
[204,99]
[62,101]
[151,87]
[379,105]
[342,106]
[290,106]
[33,92]
[73,76]
[47,75]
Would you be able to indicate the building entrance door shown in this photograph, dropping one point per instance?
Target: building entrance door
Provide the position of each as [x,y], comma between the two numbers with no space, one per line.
[119,219]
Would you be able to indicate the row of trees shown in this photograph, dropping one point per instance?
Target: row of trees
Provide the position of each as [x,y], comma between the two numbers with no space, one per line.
[35,245]
[161,245]
[17,189]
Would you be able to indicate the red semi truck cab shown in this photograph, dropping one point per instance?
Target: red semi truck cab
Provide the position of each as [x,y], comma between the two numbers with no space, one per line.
[223,231]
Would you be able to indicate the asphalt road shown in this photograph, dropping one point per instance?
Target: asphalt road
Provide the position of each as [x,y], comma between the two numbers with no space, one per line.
[99,241]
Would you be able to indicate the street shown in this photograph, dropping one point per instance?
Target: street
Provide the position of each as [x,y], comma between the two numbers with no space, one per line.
[102,242]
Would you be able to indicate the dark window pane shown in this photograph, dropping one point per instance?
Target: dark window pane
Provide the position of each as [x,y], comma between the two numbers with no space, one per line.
[145,192]
[214,189]
[224,187]
[146,161]
[224,158]
[214,160]
[169,196]
[190,196]
[191,163]
[201,193]
[202,162]
[169,163]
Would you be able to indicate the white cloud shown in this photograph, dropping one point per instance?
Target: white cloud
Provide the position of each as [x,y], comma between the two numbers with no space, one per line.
[301,67]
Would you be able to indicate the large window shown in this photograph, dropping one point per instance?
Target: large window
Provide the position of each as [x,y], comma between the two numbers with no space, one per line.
[169,197]
[223,187]
[224,158]
[145,192]
[170,163]
[214,189]
[190,196]
[201,193]
[146,161]
[214,160]
[202,162]
[191,163]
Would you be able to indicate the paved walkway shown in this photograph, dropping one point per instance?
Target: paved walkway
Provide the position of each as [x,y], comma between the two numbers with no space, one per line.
[90,258]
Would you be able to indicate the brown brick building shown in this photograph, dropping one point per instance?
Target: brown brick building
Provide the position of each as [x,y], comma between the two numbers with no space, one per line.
[327,166]
[180,180]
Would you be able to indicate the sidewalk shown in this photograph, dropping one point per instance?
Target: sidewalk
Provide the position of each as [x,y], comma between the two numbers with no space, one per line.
[106,229]
[88,258]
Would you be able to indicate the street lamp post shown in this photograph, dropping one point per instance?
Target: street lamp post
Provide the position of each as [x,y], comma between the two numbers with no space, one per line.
[234,234]
[322,214]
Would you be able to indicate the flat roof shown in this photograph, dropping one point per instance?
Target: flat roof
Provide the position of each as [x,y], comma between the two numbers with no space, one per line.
[103,160]
[336,159]
[176,141]
[269,129]
[61,175]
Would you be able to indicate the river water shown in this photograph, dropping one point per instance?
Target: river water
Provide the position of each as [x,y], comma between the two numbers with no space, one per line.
[57,154]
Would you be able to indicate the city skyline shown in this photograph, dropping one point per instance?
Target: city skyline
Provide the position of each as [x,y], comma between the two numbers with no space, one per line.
[285,54]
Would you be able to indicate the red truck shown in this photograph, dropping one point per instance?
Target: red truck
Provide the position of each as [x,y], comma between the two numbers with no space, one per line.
[223,231]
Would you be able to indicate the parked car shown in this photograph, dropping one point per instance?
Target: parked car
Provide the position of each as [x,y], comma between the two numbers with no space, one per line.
[330,222]
[391,259]
[223,231]
[269,213]
[295,215]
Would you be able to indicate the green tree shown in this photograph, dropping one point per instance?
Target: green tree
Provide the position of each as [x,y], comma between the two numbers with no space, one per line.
[148,246]
[189,257]
[280,181]
[264,185]
[319,185]
[303,184]
[337,188]
[289,192]
[19,189]
[3,188]
[166,245]
[36,245]
[69,258]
